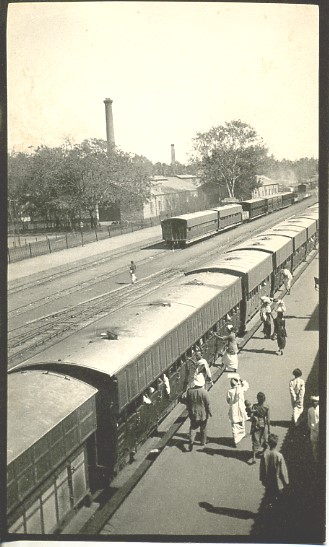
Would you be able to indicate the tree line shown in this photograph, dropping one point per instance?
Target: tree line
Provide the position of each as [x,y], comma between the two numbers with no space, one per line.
[62,183]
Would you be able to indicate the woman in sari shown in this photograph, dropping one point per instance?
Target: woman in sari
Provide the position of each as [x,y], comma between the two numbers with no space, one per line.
[237,411]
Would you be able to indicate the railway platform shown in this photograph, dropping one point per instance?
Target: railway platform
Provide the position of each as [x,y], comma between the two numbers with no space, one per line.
[214,491]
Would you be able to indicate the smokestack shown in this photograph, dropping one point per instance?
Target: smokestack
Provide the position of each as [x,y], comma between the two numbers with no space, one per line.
[173,160]
[109,123]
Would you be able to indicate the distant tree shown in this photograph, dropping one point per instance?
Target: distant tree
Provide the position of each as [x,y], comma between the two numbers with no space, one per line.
[162,169]
[291,171]
[230,156]
[63,183]
[306,168]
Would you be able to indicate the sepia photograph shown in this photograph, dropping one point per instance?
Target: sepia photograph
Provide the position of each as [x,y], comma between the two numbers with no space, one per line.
[165,221]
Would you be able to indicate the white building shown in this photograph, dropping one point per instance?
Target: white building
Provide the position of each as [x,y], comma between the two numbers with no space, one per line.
[173,195]
[267,187]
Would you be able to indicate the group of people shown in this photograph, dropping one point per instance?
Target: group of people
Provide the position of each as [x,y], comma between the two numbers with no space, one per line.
[273,469]
[274,327]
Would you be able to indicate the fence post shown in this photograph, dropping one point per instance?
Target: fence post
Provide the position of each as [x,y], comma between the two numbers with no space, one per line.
[67,243]
[96,234]
[49,244]
[30,247]
[151,221]
[109,229]
[132,226]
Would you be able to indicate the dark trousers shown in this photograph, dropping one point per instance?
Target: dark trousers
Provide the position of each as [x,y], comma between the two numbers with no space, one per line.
[194,426]
[281,340]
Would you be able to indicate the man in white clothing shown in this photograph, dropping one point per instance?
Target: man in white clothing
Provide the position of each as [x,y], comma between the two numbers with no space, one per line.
[287,278]
[313,425]
[297,392]
[237,410]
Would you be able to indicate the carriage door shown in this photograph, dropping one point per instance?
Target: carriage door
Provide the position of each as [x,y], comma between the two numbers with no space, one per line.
[78,478]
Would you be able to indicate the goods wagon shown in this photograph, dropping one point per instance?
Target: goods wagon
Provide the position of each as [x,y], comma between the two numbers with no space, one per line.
[254,207]
[228,215]
[288,198]
[185,229]
[273,203]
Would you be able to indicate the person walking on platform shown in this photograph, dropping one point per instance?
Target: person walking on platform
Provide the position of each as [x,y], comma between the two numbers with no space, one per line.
[273,472]
[266,316]
[230,355]
[132,271]
[313,425]
[237,411]
[280,332]
[260,425]
[287,278]
[198,407]
[297,392]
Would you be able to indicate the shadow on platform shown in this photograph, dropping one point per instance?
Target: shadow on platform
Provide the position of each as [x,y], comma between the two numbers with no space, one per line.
[300,515]
[227,511]
[270,352]
[234,453]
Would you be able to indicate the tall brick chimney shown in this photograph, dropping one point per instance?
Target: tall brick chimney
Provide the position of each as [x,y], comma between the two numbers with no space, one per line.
[109,123]
[173,160]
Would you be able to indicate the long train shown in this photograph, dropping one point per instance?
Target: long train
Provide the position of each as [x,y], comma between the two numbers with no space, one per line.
[185,229]
[79,411]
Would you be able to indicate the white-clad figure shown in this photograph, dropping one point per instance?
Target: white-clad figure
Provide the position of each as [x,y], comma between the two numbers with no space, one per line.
[313,425]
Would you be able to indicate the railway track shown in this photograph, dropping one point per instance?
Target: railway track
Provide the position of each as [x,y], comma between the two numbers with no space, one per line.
[29,339]
[78,267]
[25,341]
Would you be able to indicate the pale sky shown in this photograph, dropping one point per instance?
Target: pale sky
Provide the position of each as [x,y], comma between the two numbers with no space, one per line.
[171,68]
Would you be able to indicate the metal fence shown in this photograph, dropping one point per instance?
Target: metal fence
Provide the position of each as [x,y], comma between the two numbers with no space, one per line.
[21,249]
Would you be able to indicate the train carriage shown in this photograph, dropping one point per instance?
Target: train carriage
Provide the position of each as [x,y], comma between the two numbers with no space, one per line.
[229,215]
[308,223]
[298,235]
[51,424]
[288,198]
[311,230]
[274,202]
[188,228]
[279,247]
[254,207]
[313,215]
[255,270]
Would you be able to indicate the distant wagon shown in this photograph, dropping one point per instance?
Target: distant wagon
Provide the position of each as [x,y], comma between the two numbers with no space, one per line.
[185,229]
